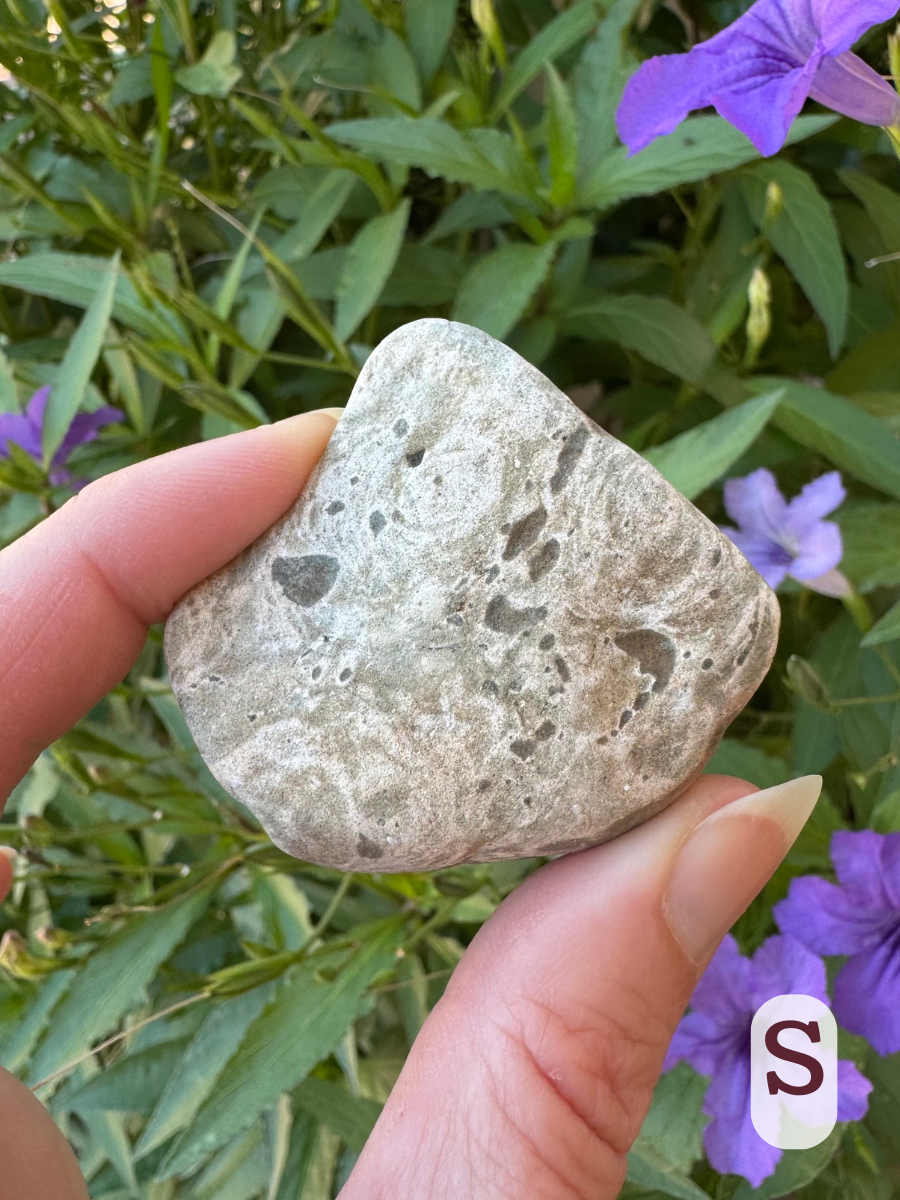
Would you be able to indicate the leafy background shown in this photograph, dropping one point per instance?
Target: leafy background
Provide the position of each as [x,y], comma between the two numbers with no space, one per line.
[210,214]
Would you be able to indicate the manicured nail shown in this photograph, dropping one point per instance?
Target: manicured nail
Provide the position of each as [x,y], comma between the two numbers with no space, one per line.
[728,860]
[337,413]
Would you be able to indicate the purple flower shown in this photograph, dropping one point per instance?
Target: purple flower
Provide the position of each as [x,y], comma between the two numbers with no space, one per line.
[759,72]
[781,538]
[26,430]
[715,1039]
[860,917]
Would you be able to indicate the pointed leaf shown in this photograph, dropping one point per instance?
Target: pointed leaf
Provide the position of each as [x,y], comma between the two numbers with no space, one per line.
[369,262]
[499,288]
[597,84]
[302,1025]
[113,980]
[886,630]
[429,27]
[353,1117]
[694,460]
[562,141]
[78,363]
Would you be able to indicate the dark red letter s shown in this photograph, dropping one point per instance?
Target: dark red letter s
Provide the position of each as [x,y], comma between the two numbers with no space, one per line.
[774,1047]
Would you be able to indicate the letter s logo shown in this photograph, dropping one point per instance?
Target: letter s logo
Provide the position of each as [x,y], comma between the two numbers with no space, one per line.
[793,1072]
[816,1071]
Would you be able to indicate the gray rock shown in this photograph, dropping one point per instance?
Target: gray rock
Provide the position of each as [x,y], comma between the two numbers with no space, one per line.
[486,630]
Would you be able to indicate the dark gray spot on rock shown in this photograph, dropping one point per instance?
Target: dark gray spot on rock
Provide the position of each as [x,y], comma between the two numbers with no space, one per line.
[525,532]
[251,716]
[641,700]
[625,717]
[214,678]
[545,560]
[489,688]
[492,574]
[716,557]
[654,651]
[455,619]
[742,658]
[438,480]
[377,522]
[335,506]
[414,458]
[502,617]
[687,654]
[527,801]
[545,731]
[354,479]
[306,580]
[562,668]
[522,748]
[401,428]
[706,664]
[568,457]
[316,672]
[547,642]
[368,849]
[397,517]
[484,785]
[715,593]
[345,675]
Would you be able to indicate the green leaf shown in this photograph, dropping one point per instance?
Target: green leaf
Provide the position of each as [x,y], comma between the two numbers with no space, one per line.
[653,327]
[885,630]
[312,1157]
[215,74]
[201,1064]
[701,147]
[597,84]
[871,534]
[132,1084]
[369,262]
[746,762]
[837,429]
[562,141]
[673,1128]
[442,150]
[429,27]
[113,980]
[647,1171]
[880,202]
[694,460]
[9,402]
[796,1169]
[78,363]
[320,208]
[302,1025]
[34,1020]
[499,287]
[805,235]
[557,36]
[353,1117]
[393,73]
[75,279]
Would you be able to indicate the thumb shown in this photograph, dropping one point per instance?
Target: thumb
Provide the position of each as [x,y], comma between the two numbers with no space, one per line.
[534,1072]
[37,1162]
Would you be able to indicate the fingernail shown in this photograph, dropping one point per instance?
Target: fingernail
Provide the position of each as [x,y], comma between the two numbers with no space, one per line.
[337,413]
[10,854]
[729,858]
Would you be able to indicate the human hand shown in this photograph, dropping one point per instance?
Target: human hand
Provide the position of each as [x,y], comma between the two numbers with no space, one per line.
[533,1074]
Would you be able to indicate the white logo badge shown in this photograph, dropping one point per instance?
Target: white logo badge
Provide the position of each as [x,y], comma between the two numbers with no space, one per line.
[793,1072]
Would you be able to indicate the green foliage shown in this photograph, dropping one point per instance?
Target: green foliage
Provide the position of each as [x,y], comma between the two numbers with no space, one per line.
[211,215]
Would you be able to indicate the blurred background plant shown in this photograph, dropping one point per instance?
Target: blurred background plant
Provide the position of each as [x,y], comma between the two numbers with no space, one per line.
[211,212]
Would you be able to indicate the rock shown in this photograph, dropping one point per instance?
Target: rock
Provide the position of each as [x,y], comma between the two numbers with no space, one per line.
[486,630]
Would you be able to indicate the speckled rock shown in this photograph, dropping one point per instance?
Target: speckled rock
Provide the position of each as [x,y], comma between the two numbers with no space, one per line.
[486,630]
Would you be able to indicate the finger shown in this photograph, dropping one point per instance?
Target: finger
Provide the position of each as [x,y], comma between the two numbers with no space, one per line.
[533,1074]
[7,866]
[78,592]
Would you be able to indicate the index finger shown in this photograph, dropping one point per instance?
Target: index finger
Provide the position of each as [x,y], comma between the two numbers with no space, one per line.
[78,593]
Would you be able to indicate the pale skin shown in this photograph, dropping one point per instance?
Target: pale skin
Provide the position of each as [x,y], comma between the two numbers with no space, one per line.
[532,1076]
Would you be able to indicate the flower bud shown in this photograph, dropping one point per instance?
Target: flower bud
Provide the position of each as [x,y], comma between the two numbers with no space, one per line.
[759,321]
[806,681]
[774,204]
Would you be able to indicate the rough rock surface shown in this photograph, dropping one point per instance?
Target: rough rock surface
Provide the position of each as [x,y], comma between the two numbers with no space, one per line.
[486,630]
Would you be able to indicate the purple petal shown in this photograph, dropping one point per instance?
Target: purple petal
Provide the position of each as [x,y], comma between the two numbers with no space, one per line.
[819,552]
[14,427]
[840,23]
[857,859]
[765,108]
[770,559]
[817,500]
[832,583]
[783,966]
[890,868]
[756,503]
[704,1042]
[724,988]
[850,86]
[84,428]
[867,995]
[853,1092]
[732,1144]
[37,406]
[829,919]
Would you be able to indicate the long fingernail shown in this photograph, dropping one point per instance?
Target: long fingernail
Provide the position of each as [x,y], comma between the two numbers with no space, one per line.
[729,858]
[337,413]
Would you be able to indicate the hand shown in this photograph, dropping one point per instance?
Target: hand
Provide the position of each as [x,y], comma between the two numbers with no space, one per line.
[533,1074]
